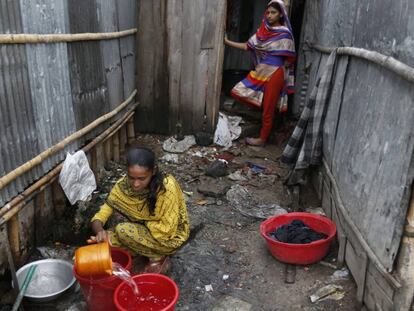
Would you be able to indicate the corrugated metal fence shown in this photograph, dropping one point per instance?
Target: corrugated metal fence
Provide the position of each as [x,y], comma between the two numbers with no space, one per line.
[48,91]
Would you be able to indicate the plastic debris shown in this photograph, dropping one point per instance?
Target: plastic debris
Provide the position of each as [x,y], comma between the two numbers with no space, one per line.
[237,176]
[342,274]
[208,288]
[76,177]
[227,130]
[256,168]
[241,200]
[225,156]
[316,211]
[330,291]
[173,146]
[170,158]
[327,264]
[225,277]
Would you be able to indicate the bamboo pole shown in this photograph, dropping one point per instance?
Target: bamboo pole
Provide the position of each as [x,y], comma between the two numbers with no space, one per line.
[14,237]
[122,141]
[12,266]
[6,179]
[130,131]
[52,38]
[39,229]
[387,62]
[115,145]
[94,165]
[10,209]
[107,149]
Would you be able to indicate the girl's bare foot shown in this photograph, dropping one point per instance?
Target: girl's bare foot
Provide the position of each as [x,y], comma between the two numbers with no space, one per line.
[255,142]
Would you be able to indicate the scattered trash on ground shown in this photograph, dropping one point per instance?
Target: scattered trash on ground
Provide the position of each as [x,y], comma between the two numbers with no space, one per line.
[241,200]
[328,264]
[217,168]
[232,304]
[173,146]
[213,188]
[342,274]
[228,254]
[237,176]
[331,291]
[316,211]
[170,158]
[256,168]
[227,130]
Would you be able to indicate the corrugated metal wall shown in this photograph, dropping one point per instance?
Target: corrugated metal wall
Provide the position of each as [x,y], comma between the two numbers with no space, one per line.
[48,91]
[368,139]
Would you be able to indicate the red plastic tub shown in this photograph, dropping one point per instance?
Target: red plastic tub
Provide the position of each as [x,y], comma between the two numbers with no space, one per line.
[300,254]
[99,290]
[157,292]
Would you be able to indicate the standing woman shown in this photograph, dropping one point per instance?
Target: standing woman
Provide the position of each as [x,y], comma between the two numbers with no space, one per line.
[150,214]
[267,86]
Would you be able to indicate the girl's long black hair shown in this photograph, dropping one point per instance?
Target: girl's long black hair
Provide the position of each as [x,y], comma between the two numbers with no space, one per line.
[145,157]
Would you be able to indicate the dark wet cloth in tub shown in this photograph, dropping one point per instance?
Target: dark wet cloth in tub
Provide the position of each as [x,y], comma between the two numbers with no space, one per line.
[296,233]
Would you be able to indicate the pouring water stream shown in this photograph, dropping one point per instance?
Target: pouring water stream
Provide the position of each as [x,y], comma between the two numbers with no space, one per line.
[125,275]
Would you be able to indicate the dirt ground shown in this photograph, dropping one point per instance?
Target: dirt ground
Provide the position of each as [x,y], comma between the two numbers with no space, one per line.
[226,264]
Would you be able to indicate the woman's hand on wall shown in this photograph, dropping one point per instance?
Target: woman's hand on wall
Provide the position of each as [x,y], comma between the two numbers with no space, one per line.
[226,39]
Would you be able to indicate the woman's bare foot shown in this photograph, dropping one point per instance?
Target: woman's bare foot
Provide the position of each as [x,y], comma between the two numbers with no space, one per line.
[255,142]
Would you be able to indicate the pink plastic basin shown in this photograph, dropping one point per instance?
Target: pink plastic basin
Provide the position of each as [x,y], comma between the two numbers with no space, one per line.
[300,254]
[157,292]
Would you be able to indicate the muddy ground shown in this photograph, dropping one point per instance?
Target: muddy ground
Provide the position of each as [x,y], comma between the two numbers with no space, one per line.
[225,265]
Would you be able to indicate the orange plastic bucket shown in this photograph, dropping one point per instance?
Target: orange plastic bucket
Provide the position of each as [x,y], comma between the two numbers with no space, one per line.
[94,259]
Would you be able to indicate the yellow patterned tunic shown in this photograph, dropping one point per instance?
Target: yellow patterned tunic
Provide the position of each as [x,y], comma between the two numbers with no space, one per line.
[154,235]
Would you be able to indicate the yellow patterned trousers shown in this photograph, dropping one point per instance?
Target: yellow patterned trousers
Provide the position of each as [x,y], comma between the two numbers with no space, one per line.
[137,238]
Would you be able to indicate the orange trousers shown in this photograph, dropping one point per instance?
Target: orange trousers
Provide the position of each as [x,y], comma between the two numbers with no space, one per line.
[270,98]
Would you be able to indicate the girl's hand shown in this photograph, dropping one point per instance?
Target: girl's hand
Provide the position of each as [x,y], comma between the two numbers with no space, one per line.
[101,236]
[226,39]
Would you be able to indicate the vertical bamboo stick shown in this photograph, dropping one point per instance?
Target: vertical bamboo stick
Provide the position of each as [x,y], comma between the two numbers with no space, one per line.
[122,142]
[94,163]
[115,145]
[40,223]
[107,148]
[14,238]
[130,130]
